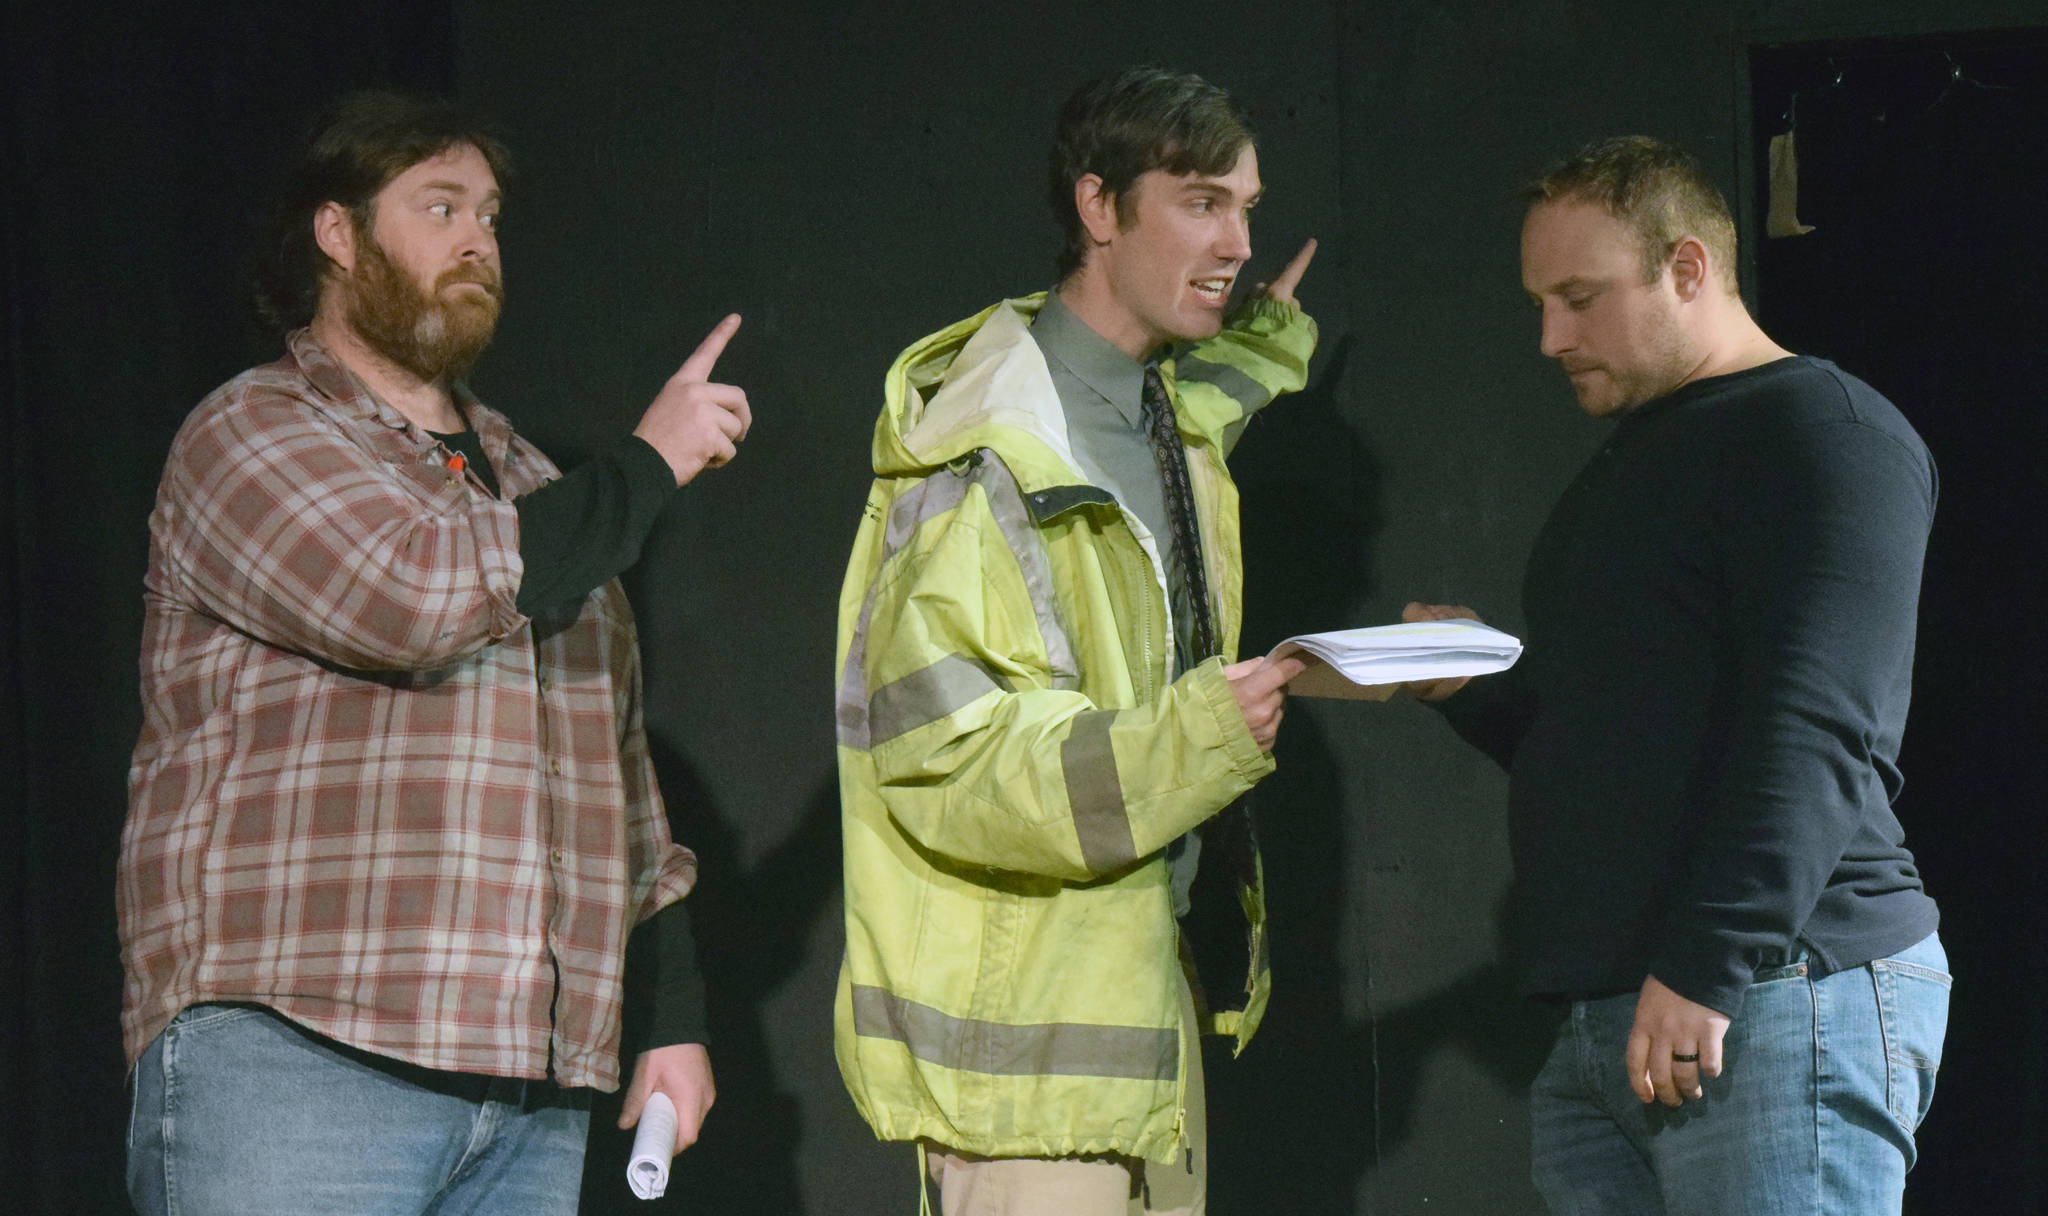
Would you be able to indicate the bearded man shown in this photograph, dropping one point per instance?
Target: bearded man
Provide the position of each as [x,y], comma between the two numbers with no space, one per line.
[392,818]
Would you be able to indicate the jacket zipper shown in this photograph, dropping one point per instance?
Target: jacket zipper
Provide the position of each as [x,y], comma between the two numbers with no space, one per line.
[1144,587]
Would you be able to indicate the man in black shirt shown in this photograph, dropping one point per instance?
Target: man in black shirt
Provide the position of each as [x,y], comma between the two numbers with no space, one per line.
[1702,736]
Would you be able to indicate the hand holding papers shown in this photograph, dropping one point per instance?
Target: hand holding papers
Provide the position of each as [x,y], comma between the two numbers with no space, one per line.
[653,1146]
[1368,664]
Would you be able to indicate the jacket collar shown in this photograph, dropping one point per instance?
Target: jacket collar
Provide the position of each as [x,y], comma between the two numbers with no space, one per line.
[989,388]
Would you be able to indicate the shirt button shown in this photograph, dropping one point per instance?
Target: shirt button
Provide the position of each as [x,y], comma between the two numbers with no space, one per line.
[557,855]
[555,766]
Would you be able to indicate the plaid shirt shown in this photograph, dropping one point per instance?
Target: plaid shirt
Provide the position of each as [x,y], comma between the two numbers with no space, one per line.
[368,793]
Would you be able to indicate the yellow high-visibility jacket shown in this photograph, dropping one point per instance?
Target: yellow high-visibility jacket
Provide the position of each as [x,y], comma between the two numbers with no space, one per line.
[1013,760]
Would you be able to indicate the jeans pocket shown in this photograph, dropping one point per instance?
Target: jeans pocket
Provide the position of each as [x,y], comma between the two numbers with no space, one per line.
[1912,1009]
[210,1015]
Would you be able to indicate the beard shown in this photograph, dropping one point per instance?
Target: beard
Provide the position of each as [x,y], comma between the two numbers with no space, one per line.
[1651,363]
[425,333]
[1658,369]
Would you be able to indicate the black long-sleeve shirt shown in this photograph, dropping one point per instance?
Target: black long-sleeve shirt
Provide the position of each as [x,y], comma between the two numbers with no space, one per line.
[1702,735]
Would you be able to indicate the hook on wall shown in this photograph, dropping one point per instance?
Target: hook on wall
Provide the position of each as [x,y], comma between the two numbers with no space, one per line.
[1836,74]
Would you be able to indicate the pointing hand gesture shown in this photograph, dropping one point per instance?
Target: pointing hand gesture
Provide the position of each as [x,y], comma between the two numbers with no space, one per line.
[694,422]
[1282,288]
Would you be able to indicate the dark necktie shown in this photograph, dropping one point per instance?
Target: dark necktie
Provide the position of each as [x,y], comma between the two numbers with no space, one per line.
[1230,832]
[1186,567]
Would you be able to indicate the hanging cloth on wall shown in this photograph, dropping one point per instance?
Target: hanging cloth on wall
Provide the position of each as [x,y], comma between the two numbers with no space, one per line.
[1781,215]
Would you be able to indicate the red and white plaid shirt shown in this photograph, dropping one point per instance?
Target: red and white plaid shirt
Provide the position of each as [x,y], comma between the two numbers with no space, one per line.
[369,793]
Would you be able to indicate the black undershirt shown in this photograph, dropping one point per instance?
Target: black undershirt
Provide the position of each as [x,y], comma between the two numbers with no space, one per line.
[577,533]
[582,529]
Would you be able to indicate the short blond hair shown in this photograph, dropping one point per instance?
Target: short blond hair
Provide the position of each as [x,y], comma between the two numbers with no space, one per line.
[1658,190]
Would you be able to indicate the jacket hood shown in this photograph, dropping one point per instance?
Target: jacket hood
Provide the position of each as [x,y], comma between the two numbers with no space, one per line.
[978,383]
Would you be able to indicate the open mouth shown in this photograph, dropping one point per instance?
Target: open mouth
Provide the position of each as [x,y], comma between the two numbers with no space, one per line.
[1211,291]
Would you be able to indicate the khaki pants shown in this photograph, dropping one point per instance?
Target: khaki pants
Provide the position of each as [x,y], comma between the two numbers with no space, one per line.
[1101,1185]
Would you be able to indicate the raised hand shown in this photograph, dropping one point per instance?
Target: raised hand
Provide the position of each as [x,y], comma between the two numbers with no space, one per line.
[694,422]
[1282,288]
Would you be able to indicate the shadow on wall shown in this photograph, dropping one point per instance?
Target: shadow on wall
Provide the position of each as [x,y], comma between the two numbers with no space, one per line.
[752,925]
[1291,1122]
[1309,1112]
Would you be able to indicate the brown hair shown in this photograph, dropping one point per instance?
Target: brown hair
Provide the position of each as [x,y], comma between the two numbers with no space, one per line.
[352,151]
[1658,190]
[1120,127]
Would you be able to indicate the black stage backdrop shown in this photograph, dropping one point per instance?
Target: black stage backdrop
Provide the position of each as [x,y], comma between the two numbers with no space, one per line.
[849,181]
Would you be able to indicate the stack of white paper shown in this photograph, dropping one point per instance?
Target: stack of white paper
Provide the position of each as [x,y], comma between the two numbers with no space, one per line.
[1367,664]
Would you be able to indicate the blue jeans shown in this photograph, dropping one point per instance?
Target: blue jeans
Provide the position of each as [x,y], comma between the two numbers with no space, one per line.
[237,1110]
[1822,1085]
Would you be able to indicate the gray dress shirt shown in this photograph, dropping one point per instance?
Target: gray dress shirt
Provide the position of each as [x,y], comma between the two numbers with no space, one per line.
[1102,394]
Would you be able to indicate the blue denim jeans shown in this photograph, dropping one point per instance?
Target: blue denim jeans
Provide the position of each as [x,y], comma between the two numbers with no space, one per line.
[237,1110]
[1823,1083]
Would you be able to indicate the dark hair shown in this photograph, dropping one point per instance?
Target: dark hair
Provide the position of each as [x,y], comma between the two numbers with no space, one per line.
[352,150]
[1119,127]
[1658,190]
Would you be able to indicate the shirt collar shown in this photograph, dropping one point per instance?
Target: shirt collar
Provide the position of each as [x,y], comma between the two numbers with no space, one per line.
[332,379]
[1115,376]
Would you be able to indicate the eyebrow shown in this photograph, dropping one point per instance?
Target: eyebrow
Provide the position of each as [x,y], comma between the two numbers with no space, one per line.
[454,187]
[1210,185]
[1576,281]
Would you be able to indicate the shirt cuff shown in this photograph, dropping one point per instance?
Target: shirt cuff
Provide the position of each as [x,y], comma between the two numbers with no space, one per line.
[646,470]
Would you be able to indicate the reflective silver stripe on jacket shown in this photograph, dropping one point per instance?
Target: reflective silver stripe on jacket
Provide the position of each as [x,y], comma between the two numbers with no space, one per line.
[1070,1049]
[926,695]
[1095,794]
[952,681]
[1234,382]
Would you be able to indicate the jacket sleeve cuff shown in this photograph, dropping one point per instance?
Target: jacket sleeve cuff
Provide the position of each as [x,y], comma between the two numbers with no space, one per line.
[1246,757]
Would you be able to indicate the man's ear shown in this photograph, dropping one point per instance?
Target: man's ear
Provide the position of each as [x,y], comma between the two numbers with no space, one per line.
[334,230]
[1691,268]
[1097,208]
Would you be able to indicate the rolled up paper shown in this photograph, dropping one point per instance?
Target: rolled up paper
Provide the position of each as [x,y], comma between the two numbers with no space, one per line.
[654,1146]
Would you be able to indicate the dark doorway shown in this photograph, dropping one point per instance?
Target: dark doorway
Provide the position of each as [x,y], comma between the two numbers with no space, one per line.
[1923,172]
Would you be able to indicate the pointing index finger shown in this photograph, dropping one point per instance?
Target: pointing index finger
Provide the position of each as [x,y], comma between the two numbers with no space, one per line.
[1290,278]
[698,365]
